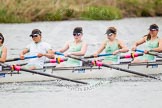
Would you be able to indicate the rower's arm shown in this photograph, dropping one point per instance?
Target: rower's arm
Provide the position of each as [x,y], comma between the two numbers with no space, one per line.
[65,48]
[4,55]
[102,47]
[139,42]
[123,47]
[50,54]
[26,50]
[159,48]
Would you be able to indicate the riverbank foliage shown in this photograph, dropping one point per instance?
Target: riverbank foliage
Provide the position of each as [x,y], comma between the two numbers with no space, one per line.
[20,11]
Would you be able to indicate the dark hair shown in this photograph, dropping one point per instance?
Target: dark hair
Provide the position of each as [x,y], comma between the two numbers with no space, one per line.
[111,30]
[78,30]
[2,38]
[148,36]
[36,32]
[154,27]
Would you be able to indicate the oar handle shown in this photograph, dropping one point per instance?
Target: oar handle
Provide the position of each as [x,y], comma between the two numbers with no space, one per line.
[29,57]
[91,56]
[15,59]
[142,51]
[150,53]
[99,55]
[59,53]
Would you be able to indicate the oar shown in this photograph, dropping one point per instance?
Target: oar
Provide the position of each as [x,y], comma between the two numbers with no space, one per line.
[127,70]
[15,59]
[114,67]
[19,68]
[59,53]
[110,66]
[99,55]
[56,60]
[132,55]
[150,53]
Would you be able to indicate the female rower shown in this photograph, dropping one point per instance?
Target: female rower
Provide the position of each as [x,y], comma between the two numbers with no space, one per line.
[112,46]
[152,43]
[76,47]
[3,49]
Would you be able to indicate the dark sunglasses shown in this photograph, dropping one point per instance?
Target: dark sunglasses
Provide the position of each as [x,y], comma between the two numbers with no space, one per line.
[1,38]
[153,30]
[110,34]
[34,36]
[76,34]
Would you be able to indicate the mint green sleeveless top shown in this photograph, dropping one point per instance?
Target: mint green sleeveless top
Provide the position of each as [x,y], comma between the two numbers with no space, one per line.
[149,46]
[110,48]
[1,50]
[74,48]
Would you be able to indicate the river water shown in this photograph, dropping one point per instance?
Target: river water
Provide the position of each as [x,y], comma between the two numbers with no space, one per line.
[114,93]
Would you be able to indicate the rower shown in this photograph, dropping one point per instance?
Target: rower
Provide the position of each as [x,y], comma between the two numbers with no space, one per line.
[39,48]
[112,45]
[76,47]
[3,51]
[152,43]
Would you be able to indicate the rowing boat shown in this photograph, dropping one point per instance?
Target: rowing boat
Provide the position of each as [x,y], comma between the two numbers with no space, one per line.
[86,72]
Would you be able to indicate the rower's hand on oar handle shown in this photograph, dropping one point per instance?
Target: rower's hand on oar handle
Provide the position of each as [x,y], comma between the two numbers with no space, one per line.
[133,48]
[40,55]
[67,54]
[146,51]
[95,55]
[116,52]
[22,57]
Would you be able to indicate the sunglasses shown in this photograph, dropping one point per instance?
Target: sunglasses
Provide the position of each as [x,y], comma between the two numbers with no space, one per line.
[34,36]
[110,34]
[76,34]
[153,30]
[1,38]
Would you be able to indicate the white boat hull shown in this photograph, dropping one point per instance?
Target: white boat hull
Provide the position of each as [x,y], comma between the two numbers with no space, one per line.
[104,72]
